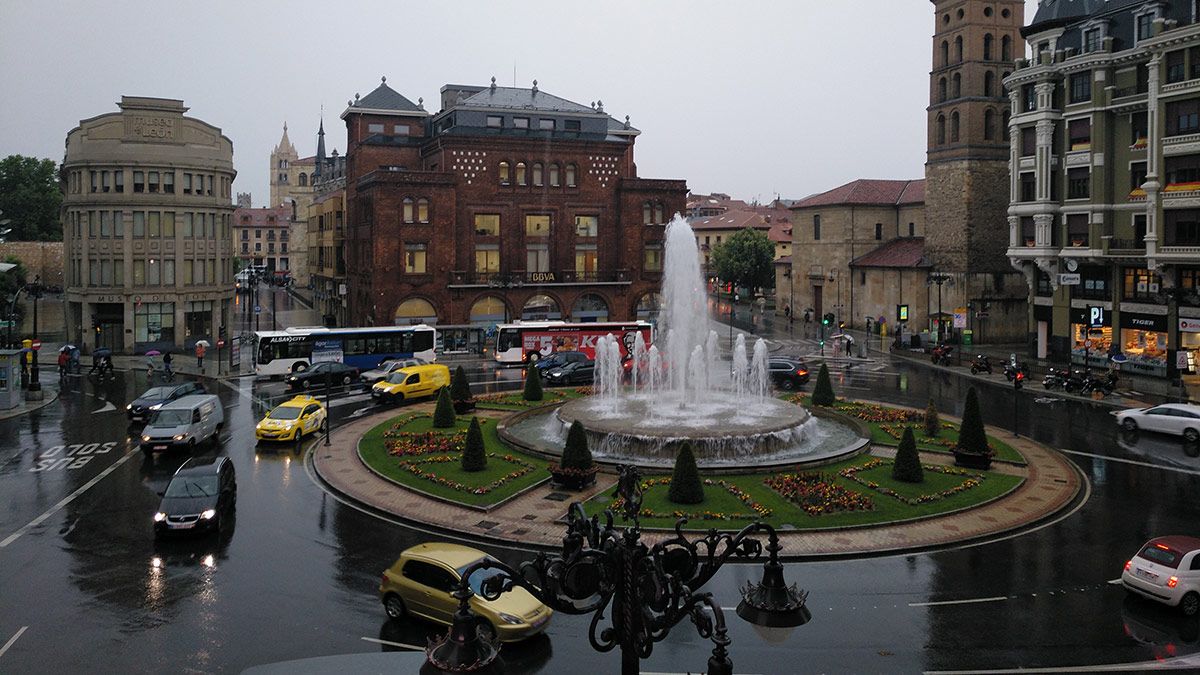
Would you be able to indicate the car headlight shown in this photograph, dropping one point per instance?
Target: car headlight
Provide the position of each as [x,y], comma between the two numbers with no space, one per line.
[179,437]
[208,515]
[509,618]
[156,406]
[159,517]
[145,439]
[129,406]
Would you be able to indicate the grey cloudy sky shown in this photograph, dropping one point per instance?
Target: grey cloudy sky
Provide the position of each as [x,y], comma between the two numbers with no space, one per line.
[750,98]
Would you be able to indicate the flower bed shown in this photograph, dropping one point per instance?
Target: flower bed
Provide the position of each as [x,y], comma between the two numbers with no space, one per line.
[756,510]
[516,400]
[416,467]
[816,493]
[973,480]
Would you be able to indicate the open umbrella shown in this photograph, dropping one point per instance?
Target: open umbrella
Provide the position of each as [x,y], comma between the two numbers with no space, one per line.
[153,352]
[203,343]
[67,348]
[102,352]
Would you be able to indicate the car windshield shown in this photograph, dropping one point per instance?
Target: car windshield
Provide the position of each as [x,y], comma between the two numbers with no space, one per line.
[157,392]
[285,412]
[170,418]
[479,576]
[192,486]
[1163,556]
[397,377]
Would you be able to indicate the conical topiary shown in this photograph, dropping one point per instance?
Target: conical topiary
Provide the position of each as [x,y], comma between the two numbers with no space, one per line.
[576,454]
[686,487]
[907,468]
[933,425]
[443,414]
[533,384]
[460,388]
[971,436]
[474,457]
[823,392]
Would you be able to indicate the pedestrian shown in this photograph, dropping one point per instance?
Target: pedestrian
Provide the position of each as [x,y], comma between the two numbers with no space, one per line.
[200,356]
[168,374]
[63,361]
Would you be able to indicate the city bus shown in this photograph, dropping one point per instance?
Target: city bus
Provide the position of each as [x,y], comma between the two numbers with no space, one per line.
[281,352]
[528,341]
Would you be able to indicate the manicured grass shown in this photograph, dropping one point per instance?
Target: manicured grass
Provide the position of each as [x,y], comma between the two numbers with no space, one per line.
[375,453]
[515,401]
[787,514]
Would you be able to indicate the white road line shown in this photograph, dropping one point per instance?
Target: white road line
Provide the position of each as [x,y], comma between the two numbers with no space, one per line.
[12,639]
[971,601]
[66,500]
[402,645]
[1189,662]
[108,407]
[1131,461]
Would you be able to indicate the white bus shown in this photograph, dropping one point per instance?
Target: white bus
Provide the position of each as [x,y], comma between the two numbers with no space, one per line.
[281,352]
[528,341]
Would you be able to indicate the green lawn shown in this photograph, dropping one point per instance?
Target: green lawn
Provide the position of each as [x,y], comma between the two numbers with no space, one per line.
[374,452]
[516,401]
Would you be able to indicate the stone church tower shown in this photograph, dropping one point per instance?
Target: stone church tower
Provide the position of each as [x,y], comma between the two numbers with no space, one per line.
[283,157]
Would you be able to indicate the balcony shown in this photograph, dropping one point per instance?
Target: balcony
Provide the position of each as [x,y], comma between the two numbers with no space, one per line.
[468,279]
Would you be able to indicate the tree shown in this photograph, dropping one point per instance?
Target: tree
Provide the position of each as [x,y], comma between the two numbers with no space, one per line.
[460,388]
[823,392]
[474,457]
[933,425]
[907,468]
[443,414]
[533,384]
[971,436]
[30,198]
[747,259]
[576,454]
[686,487]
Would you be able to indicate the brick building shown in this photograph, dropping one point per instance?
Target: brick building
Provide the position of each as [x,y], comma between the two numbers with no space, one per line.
[506,203]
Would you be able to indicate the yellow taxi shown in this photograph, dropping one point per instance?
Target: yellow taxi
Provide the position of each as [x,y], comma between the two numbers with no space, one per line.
[411,382]
[420,583]
[292,420]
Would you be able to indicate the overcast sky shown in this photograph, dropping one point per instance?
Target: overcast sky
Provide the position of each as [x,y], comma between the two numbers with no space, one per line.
[750,98]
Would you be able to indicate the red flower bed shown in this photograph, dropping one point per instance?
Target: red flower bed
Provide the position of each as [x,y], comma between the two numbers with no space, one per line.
[972,480]
[816,493]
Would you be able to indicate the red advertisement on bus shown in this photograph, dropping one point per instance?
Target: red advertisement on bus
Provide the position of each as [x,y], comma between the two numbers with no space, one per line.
[516,343]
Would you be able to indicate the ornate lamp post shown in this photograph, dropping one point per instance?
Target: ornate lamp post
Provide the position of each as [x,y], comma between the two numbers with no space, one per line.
[940,278]
[644,590]
[505,281]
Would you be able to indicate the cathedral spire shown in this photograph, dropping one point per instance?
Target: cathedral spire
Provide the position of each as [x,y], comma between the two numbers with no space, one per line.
[320,146]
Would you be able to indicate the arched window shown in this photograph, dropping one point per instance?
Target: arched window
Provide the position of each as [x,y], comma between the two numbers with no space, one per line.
[647,217]
[989,124]
[541,308]
[987,47]
[520,173]
[1004,124]
[945,53]
[414,311]
[941,129]
[957,88]
[958,49]
[554,175]
[1006,48]
[503,173]
[648,306]
[408,210]
[423,210]
[589,307]
[488,310]
[537,174]
[570,175]
[989,84]
[658,212]
[942,90]
[303,180]
[954,127]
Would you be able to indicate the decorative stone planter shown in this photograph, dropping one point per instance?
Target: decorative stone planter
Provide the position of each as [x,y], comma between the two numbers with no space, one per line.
[573,479]
[972,460]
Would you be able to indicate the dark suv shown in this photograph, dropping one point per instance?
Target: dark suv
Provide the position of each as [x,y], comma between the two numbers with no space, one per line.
[787,373]
[319,374]
[154,398]
[558,360]
[200,495]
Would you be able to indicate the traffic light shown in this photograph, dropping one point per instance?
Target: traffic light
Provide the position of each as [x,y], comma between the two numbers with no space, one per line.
[221,333]
[827,319]
[95,324]
[1019,380]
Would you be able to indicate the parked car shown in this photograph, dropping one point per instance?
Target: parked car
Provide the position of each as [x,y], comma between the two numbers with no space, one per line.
[412,382]
[200,495]
[575,372]
[788,373]
[318,374]
[422,579]
[155,397]
[292,420]
[558,360]
[184,423]
[1167,570]
[1177,419]
[388,367]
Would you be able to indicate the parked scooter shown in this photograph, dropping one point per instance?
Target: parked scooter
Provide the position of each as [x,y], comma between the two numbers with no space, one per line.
[1104,384]
[1076,380]
[1011,368]
[941,355]
[1055,378]
[981,365]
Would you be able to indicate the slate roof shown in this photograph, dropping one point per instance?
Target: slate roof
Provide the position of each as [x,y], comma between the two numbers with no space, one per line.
[1065,11]
[731,220]
[520,98]
[386,98]
[869,192]
[906,252]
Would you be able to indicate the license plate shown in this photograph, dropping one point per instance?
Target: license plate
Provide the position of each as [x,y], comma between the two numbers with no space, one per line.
[181,526]
[1147,574]
[160,447]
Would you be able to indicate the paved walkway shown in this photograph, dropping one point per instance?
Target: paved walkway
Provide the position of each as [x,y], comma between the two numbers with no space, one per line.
[536,518]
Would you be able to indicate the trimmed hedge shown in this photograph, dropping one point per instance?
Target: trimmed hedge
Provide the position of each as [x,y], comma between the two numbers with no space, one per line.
[576,454]
[907,468]
[474,457]
[686,487]
[460,388]
[443,414]
[533,384]
[823,392]
[971,436]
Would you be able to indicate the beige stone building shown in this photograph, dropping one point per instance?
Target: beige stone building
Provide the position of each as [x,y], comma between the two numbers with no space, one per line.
[147,215]
[263,237]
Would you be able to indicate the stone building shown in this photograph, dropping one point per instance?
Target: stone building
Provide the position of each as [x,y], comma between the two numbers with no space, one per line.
[262,237]
[1104,217]
[506,203]
[147,216]
[291,176]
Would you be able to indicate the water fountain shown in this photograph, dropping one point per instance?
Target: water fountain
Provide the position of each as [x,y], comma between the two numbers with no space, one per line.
[679,388]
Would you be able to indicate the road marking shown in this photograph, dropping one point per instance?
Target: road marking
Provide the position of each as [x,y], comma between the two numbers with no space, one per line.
[1135,462]
[971,601]
[389,643]
[12,639]
[66,500]
[108,407]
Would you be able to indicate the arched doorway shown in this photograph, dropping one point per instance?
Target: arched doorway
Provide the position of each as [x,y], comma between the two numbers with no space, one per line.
[589,307]
[648,307]
[541,308]
[414,311]
[486,311]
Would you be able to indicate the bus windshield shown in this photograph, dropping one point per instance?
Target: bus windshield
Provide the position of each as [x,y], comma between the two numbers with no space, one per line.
[270,349]
[509,338]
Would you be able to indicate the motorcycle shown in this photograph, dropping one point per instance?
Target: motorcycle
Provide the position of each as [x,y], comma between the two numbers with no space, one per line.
[1104,384]
[1076,380]
[981,365]
[941,355]
[1055,378]
[1011,369]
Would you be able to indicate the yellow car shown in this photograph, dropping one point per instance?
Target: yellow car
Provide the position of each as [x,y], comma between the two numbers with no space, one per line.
[292,420]
[412,382]
[420,583]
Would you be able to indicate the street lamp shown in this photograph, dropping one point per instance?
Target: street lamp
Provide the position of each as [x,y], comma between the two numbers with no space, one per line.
[505,281]
[837,275]
[642,591]
[940,278]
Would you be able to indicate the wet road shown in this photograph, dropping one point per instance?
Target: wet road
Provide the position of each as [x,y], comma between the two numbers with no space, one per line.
[83,586]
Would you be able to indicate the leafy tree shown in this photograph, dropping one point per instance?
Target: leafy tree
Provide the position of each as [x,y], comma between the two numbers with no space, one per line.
[443,414]
[747,259]
[823,392]
[533,384]
[460,388]
[474,457]
[971,436]
[30,198]
[576,454]
[907,468]
[686,487]
[933,425]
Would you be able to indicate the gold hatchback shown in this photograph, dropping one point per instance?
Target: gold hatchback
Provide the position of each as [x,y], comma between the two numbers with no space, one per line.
[421,581]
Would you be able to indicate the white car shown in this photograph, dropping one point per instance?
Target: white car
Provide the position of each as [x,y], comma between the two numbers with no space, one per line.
[1178,419]
[1167,570]
[388,367]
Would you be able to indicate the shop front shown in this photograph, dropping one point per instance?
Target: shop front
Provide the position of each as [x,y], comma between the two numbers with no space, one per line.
[1091,336]
[1189,346]
[1143,341]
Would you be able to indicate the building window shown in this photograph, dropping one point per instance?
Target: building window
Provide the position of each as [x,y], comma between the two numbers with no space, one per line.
[958,49]
[989,84]
[586,226]
[520,173]
[152,181]
[1028,141]
[1183,171]
[989,124]
[1081,87]
[423,210]
[658,213]
[537,226]
[1140,284]
[878,231]
[1029,97]
[954,127]
[503,171]
[245,247]
[1006,48]
[1138,129]
[154,322]
[1028,187]
[941,90]
[1175,66]
[487,224]
[554,175]
[585,261]
[1078,183]
[408,210]
[168,182]
[652,258]
[400,129]
[912,229]
[987,47]
[546,125]
[816,229]
[537,174]
[571,125]
[414,258]
[1144,22]
[1137,176]
[139,182]
[941,129]
[520,122]
[956,89]
[119,180]
[647,217]
[487,259]
[1183,117]
[372,129]
[1182,228]
[537,258]
[495,121]
[945,53]
[1080,134]
[570,175]
[1091,40]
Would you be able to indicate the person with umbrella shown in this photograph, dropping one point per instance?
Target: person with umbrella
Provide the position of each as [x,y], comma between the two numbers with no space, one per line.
[64,360]
[201,347]
[168,374]
[102,361]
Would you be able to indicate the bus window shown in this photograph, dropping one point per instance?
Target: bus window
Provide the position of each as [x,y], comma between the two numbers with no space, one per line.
[422,340]
[354,347]
[509,338]
[404,343]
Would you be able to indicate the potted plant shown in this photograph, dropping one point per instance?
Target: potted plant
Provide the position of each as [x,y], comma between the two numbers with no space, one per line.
[972,451]
[460,392]
[577,470]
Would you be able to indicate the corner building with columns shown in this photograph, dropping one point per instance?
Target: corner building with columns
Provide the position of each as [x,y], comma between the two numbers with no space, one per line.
[507,203]
[1104,215]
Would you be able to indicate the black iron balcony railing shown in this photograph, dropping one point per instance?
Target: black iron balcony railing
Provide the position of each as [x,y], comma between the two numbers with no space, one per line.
[523,278]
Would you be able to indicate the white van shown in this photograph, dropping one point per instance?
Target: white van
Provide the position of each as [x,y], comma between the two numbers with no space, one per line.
[185,422]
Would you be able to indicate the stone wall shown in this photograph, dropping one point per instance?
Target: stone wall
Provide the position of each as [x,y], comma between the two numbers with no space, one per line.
[41,258]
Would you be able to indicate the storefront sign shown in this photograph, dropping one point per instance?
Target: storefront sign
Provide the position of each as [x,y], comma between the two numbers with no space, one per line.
[1143,322]
[1068,280]
[1189,325]
[1095,316]
[1087,315]
[960,317]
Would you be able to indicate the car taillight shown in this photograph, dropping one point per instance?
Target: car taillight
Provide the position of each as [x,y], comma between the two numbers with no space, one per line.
[1128,564]
[384,580]
[1020,376]
[1172,582]
[801,371]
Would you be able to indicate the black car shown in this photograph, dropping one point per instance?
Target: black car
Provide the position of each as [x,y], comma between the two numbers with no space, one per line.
[558,360]
[152,399]
[788,373]
[575,372]
[202,493]
[339,375]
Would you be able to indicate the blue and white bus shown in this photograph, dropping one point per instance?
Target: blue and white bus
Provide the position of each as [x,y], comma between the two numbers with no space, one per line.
[281,352]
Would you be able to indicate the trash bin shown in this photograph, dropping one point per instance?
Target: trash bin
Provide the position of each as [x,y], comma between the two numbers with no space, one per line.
[968,337]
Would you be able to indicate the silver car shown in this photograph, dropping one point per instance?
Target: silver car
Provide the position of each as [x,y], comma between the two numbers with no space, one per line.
[388,367]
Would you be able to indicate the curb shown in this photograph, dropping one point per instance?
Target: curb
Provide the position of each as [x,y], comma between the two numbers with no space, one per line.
[48,396]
